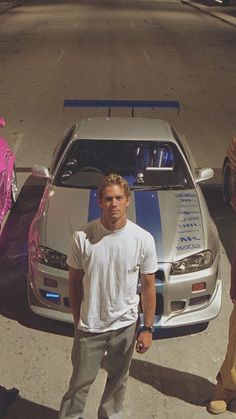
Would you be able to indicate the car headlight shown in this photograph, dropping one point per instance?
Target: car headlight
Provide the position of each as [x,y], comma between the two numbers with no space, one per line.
[51,257]
[197,262]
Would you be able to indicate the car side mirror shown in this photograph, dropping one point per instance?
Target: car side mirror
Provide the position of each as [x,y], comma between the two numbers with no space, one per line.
[204,174]
[41,172]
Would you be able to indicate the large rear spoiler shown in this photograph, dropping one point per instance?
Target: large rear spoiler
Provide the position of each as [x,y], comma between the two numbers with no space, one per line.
[110,104]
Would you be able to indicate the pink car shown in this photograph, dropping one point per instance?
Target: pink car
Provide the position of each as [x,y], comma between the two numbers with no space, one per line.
[8,188]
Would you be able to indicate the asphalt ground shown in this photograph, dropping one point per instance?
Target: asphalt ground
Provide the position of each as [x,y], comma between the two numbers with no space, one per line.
[215,8]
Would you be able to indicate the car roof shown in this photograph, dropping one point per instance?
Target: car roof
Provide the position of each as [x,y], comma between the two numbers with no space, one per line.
[117,128]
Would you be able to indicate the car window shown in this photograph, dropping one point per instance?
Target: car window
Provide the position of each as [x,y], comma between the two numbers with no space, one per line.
[60,148]
[144,163]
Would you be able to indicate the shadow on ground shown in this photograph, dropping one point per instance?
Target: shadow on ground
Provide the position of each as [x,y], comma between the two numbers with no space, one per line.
[182,385]
[25,409]
[185,386]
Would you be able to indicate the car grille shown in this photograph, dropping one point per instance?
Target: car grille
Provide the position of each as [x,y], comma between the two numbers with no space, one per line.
[199,300]
[160,275]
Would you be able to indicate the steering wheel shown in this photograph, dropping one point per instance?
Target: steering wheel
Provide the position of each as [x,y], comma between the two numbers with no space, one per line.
[90,169]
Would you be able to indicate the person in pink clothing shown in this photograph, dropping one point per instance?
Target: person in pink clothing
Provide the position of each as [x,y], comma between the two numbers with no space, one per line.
[7,161]
[7,158]
[226,378]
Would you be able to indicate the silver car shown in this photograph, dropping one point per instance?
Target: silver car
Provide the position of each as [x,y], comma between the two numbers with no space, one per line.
[166,200]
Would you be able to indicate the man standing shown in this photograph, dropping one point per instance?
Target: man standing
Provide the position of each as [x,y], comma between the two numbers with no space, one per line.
[104,265]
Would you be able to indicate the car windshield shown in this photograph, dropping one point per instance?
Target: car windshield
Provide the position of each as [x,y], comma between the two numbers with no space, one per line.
[145,164]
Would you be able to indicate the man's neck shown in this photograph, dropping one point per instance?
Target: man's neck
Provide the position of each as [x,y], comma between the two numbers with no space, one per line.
[117,225]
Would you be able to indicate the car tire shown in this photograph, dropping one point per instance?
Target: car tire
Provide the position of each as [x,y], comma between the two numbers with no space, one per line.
[227,182]
[14,187]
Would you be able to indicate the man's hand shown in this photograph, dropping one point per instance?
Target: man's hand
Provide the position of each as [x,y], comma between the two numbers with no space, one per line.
[143,343]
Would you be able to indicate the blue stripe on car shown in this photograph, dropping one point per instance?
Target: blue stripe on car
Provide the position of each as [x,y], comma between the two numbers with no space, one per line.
[93,209]
[148,216]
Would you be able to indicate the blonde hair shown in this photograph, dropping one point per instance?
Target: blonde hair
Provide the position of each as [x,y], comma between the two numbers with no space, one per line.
[113,179]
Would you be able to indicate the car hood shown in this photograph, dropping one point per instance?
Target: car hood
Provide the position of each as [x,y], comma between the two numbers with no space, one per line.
[173,218]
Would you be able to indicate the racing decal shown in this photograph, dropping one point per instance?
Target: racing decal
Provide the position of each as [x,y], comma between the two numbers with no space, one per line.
[177,231]
[188,242]
[184,212]
[93,208]
[189,239]
[189,233]
[188,247]
[148,216]
[186,195]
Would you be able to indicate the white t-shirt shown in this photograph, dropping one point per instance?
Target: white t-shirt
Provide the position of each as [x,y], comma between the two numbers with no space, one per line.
[111,261]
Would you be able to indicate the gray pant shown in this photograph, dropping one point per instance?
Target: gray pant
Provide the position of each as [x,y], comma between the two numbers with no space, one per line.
[228,368]
[87,354]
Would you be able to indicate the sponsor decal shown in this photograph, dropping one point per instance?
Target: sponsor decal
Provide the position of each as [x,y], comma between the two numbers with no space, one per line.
[189,239]
[185,195]
[188,246]
[181,205]
[187,231]
[189,225]
[184,212]
[188,219]
[185,200]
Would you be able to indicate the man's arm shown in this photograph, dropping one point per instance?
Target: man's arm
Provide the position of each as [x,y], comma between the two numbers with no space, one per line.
[233,277]
[75,291]
[148,300]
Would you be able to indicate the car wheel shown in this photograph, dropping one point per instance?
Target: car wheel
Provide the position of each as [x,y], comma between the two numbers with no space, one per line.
[227,182]
[14,187]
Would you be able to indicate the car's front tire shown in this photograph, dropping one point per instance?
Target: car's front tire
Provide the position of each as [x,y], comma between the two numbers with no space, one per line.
[227,182]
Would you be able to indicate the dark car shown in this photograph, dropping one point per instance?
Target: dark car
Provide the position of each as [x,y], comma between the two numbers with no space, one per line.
[229,174]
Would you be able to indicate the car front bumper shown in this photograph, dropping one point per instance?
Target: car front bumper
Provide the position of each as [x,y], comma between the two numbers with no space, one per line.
[177,304]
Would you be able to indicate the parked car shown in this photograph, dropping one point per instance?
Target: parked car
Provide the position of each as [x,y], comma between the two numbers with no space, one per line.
[8,186]
[229,174]
[224,2]
[166,200]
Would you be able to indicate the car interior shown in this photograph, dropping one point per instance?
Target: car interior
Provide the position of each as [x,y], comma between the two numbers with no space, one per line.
[143,163]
